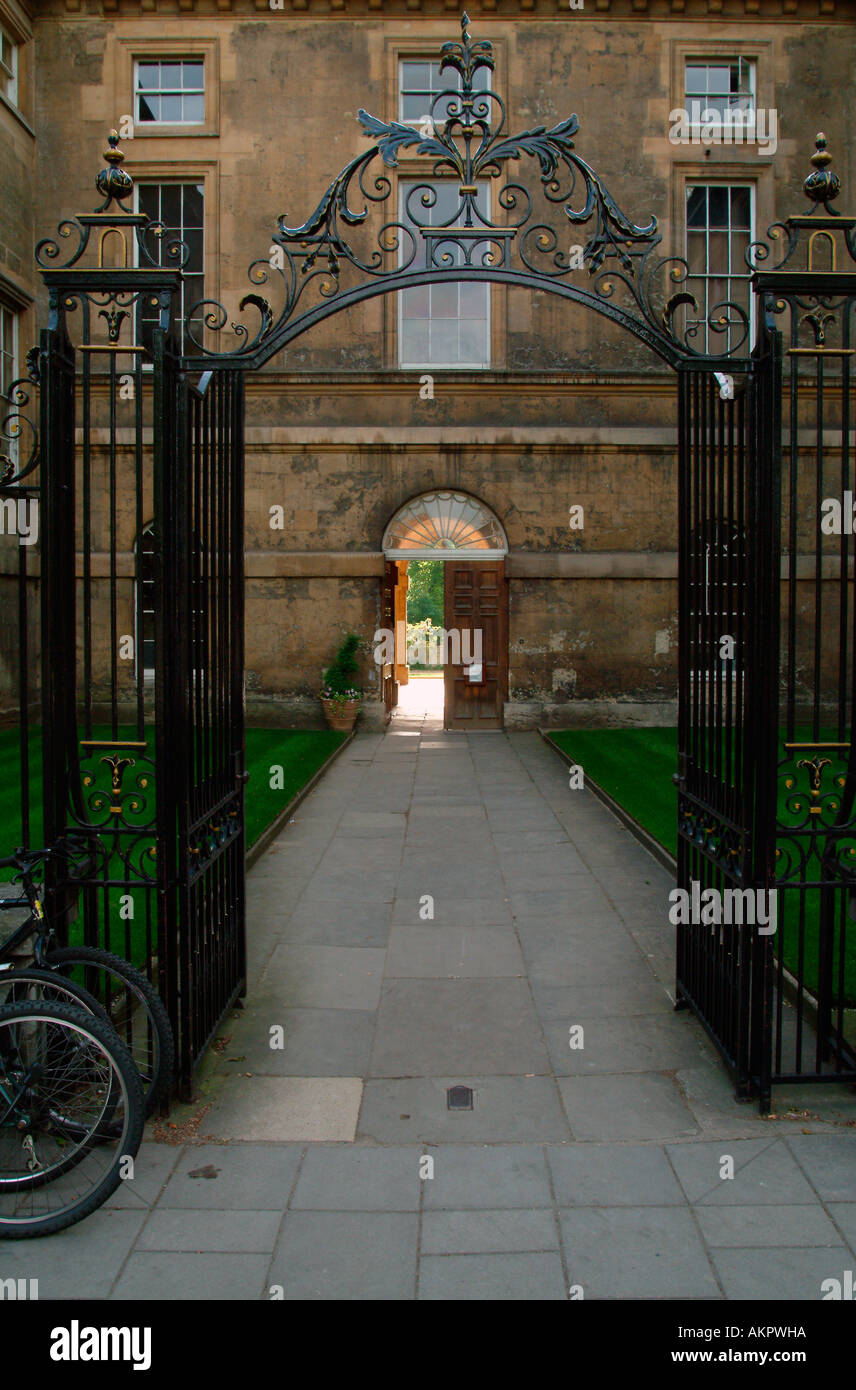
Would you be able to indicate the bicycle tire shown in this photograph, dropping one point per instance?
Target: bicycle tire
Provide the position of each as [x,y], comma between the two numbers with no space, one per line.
[57,989]
[156,1070]
[124,1082]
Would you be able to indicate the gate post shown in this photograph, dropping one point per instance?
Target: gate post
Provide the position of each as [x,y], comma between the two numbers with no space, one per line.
[763,721]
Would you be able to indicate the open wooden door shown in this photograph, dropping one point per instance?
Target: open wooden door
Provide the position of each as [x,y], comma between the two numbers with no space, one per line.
[387,621]
[399,604]
[477,598]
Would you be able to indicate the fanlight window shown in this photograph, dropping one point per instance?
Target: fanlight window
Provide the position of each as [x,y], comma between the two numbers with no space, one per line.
[440,523]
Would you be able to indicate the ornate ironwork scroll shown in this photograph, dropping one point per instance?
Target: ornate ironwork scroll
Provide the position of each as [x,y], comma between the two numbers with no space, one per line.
[465,140]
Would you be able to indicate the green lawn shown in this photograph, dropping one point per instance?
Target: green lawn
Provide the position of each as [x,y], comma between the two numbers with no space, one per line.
[635,766]
[298,753]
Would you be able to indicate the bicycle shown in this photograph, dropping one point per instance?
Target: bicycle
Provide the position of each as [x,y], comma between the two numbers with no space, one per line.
[72,1115]
[103,984]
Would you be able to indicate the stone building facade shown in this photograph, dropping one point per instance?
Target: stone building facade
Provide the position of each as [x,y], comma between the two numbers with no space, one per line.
[233,114]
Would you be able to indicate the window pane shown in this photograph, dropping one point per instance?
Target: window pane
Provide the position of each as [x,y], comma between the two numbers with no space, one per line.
[170,109]
[415,75]
[149,200]
[193,204]
[170,76]
[740,207]
[444,301]
[147,75]
[474,342]
[171,204]
[414,107]
[193,241]
[718,207]
[696,252]
[696,207]
[414,340]
[148,109]
[695,83]
[444,340]
[416,303]
[194,108]
[718,251]
[473,300]
[739,247]
[192,75]
[718,79]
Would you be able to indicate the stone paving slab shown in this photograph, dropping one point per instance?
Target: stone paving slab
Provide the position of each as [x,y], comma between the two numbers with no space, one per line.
[488,1232]
[233,1176]
[286,1108]
[505,1277]
[232,1231]
[505,1108]
[628,1106]
[764,1171]
[637,1253]
[432,1027]
[203,1276]
[346,1255]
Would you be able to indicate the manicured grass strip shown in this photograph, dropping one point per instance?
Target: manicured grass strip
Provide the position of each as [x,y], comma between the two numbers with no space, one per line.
[296,754]
[635,767]
[299,752]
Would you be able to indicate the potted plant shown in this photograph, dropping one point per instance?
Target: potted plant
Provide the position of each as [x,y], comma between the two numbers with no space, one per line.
[341,695]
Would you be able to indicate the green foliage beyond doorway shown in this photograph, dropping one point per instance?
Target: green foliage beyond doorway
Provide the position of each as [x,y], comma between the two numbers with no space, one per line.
[425,591]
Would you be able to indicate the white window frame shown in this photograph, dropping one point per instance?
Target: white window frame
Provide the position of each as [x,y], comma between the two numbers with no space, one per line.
[10,447]
[707,275]
[404,186]
[153,180]
[10,72]
[12,315]
[451,78]
[713,61]
[160,60]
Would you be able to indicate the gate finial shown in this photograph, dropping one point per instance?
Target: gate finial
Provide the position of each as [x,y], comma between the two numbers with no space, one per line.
[822,184]
[114,181]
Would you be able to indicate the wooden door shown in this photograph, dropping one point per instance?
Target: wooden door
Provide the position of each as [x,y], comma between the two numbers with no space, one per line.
[387,621]
[477,598]
[399,604]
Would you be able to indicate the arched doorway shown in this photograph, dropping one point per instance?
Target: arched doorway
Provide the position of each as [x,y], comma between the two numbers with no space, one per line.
[462,534]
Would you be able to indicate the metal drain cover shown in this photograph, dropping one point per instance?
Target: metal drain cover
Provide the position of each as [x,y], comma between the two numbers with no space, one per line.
[459,1098]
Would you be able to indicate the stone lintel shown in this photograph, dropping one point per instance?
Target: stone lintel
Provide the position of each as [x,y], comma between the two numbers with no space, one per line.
[593,564]
[369,564]
[313,564]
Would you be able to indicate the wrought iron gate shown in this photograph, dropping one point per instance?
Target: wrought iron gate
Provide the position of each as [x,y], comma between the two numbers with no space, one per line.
[201,732]
[726,690]
[142,705]
[168,551]
[767,760]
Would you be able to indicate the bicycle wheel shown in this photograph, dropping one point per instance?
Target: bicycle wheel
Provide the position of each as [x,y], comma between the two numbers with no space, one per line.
[71,1114]
[23,985]
[132,1005]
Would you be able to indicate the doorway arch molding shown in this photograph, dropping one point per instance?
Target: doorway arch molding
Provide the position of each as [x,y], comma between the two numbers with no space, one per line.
[444,524]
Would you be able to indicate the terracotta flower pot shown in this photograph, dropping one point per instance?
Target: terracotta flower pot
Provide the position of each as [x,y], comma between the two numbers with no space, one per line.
[340,715]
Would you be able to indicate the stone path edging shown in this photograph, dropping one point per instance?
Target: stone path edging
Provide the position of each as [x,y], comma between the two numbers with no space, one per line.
[267,837]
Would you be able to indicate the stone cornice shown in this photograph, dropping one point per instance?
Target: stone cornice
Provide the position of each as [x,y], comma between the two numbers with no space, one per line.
[802,11]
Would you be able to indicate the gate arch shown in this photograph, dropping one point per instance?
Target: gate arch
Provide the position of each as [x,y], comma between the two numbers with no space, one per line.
[633,285]
[187,859]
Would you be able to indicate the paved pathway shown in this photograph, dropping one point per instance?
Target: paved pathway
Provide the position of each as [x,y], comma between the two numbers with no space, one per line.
[598,1167]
